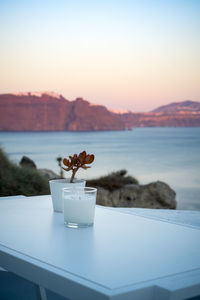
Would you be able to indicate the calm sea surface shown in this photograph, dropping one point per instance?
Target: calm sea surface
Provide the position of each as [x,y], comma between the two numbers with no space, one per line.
[171,155]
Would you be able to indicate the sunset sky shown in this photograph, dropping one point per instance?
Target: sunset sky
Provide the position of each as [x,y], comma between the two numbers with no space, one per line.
[133,55]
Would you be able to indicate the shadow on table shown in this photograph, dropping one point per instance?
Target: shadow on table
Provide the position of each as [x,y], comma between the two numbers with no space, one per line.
[13,287]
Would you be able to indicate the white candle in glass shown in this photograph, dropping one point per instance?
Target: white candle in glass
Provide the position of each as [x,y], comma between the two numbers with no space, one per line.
[79,206]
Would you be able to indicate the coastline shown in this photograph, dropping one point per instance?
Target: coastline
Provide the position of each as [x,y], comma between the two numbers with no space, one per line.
[166,154]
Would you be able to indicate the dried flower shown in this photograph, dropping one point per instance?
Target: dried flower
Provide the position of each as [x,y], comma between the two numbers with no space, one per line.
[77,161]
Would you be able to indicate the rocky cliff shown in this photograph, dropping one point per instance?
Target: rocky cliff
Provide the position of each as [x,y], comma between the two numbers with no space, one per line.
[52,112]
[184,106]
[177,114]
[161,119]
[153,195]
[119,189]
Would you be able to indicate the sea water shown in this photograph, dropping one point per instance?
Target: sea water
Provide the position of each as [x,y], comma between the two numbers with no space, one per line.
[171,155]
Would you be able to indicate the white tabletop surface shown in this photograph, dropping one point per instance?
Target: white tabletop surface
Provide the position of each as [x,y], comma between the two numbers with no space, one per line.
[121,256]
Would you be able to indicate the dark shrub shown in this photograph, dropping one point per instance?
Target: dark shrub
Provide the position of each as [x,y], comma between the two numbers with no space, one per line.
[113,181]
[16,180]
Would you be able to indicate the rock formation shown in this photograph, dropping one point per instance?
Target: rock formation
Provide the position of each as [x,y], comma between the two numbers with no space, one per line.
[51,112]
[177,114]
[184,106]
[153,195]
[27,162]
[114,191]
[161,119]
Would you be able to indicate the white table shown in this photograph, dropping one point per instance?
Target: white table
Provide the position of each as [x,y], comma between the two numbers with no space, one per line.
[123,256]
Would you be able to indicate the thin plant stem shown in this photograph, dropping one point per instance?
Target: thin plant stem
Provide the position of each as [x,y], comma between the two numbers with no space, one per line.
[73,175]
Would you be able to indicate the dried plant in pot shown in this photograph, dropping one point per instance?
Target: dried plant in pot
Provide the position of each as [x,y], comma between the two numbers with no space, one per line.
[73,164]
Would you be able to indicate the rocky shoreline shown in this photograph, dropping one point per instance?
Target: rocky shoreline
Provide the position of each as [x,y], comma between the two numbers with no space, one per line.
[156,195]
[153,195]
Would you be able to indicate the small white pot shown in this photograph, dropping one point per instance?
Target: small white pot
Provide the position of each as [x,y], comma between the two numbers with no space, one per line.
[56,187]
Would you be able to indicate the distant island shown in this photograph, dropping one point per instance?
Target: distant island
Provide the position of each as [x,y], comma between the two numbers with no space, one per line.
[177,114]
[49,111]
